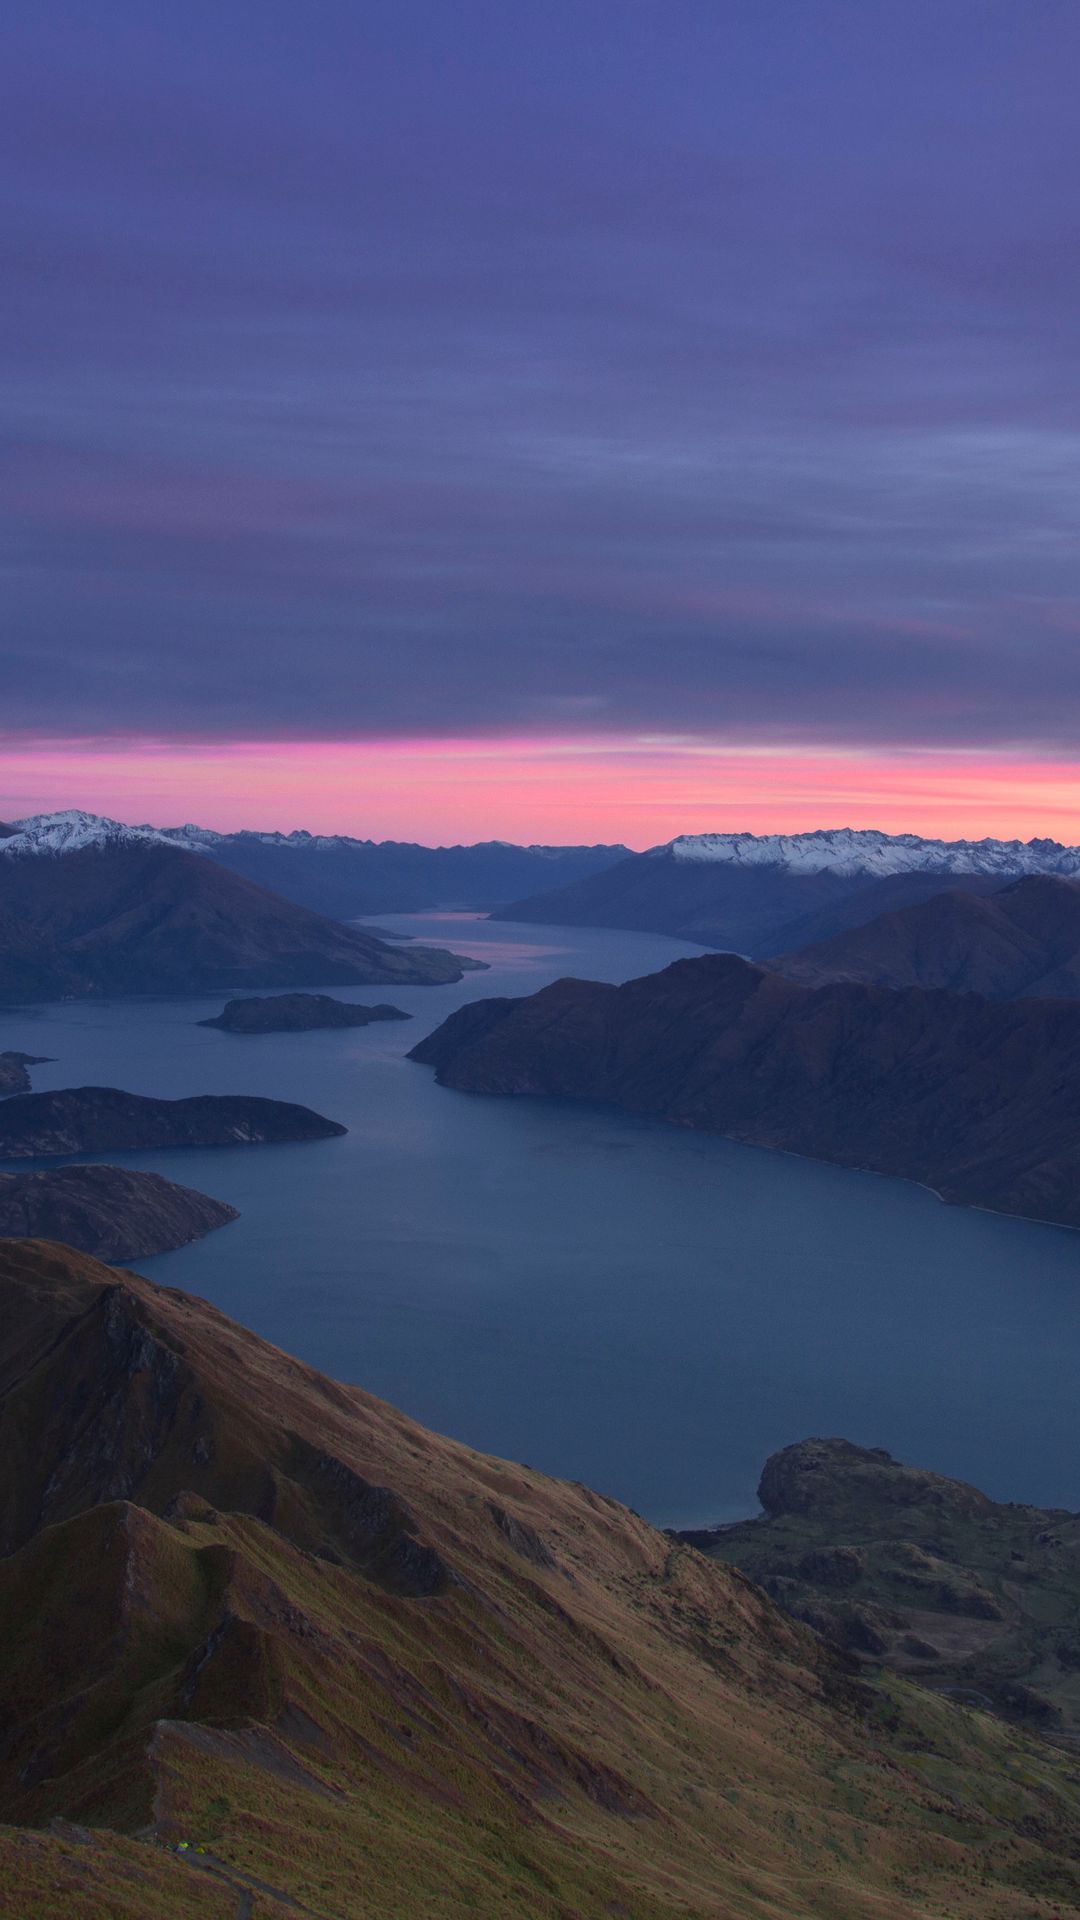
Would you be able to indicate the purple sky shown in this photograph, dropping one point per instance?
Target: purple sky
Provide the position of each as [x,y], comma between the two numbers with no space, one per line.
[447,368]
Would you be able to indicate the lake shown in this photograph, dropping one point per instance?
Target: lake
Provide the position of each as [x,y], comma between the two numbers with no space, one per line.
[649,1310]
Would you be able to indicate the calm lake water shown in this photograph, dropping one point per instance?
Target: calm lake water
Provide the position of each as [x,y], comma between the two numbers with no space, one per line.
[645,1309]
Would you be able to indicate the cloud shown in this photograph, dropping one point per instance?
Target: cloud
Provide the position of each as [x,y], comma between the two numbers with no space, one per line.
[464,370]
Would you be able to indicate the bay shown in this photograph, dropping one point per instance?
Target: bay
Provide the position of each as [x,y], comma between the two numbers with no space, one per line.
[645,1309]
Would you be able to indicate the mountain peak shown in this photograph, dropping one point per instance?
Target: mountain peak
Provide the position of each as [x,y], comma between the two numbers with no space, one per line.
[70,831]
[866,850]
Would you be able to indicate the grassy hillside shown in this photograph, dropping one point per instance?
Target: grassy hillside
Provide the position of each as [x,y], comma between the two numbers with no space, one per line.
[375,1673]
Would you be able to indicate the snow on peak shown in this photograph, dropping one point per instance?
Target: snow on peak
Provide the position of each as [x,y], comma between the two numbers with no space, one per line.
[70,831]
[850,850]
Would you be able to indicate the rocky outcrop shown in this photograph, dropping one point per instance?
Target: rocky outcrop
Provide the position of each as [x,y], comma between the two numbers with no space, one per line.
[977,1099]
[111,1212]
[822,1477]
[297,1013]
[106,1120]
[13,1075]
[912,1570]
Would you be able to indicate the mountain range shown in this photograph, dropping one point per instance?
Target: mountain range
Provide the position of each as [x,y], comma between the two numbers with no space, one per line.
[110,910]
[976,1098]
[762,895]
[271,1647]
[336,875]
[346,878]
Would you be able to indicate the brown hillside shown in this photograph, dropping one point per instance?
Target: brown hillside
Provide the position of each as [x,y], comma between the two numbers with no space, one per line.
[378,1674]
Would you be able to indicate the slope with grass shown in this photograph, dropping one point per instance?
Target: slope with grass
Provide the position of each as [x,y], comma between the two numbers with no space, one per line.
[381,1674]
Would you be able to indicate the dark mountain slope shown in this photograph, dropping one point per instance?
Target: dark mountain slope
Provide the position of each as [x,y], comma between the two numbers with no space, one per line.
[111,1212]
[1024,939]
[142,917]
[874,898]
[376,1673]
[976,1099]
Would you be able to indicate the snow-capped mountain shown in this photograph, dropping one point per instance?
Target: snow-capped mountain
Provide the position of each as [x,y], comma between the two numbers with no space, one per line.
[850,851]
[70,832]
[765,894]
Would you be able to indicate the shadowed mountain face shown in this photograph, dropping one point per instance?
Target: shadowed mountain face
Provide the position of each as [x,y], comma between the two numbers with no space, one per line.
[923,1574]
[1022,940]
[106,1120]
[149,918]
[979,1100]
[297,1013]
[375,1672]
[757,910]
[111,1212]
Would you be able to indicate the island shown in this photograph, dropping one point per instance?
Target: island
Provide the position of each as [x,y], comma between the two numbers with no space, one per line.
[297,1013]
[13,1075]
[111,1212]
[106,1120]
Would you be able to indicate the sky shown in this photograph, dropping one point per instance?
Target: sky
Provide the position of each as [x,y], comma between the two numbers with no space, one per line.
[595,420]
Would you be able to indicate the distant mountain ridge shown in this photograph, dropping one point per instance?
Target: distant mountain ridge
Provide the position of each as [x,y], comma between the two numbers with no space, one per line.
[333,873]
[864,850]
[764,894]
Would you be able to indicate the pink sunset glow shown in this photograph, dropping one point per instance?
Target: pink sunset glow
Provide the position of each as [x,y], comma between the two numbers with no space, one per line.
[641,791]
